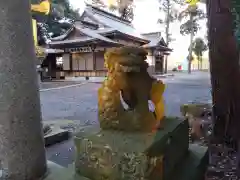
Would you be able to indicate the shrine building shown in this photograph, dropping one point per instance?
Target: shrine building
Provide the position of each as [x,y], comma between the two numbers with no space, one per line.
[81,49]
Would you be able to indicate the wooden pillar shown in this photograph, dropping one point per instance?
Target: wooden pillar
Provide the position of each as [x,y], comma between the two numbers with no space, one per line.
[162,63]
[53,63]
[70,62]
[94,57]
[49,63]
[94,61]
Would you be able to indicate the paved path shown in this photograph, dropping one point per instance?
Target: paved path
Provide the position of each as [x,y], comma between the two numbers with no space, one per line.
[57,84]
[80,103]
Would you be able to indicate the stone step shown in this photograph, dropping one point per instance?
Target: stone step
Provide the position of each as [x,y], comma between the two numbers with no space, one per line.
[56,135]
[194,166]
[57,172]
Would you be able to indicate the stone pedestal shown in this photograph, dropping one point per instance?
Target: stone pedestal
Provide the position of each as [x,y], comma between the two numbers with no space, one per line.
[134,142]
[115,155]
[22,152]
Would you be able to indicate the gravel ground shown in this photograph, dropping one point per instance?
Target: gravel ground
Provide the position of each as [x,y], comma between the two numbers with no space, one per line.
[223,163]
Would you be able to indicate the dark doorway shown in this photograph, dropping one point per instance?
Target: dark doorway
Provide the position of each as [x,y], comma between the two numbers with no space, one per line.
[49,67]
[159,64]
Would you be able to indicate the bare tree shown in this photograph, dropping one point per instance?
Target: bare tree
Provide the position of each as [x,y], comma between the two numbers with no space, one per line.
[171,14]
[190,27]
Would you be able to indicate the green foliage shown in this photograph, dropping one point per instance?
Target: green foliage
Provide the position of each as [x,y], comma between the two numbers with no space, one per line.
[194,14]
[189,58]
[125,8]
[199,47]
[186,27]
[98,3]
[167,6]
[61,17]
[127,13]
[64,9]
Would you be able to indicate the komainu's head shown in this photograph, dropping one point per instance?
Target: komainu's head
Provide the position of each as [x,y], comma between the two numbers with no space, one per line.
[126,59]
[125,94]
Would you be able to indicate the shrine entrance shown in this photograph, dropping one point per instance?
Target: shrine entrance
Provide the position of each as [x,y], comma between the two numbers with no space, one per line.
[159,64]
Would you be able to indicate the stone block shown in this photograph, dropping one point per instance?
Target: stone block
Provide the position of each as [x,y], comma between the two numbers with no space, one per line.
[194,166]
[195,110]
[116,155]
[55,136]
[199,119]
[57,172]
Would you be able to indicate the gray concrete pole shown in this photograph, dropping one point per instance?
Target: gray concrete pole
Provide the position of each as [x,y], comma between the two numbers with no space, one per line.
[22,152]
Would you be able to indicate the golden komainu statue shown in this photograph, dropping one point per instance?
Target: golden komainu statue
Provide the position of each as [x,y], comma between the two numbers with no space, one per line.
[123,99]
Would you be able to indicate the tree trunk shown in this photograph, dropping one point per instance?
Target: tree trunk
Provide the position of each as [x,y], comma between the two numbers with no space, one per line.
[201,59]
[167,35]
[225,73]
[198,59]
[191,46]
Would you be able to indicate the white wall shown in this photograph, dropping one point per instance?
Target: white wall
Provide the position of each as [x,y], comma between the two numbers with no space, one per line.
[100,60]
[66,62]
[151,62]
[82,61]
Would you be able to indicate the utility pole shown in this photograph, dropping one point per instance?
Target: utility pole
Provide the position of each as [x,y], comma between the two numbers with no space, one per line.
[167,35]
[191,45]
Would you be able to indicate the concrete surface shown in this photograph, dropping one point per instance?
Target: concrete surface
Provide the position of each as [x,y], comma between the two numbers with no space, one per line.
[57,84]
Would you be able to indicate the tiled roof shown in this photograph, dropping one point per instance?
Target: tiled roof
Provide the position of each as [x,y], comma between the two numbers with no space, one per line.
[82,39]
[105,30]
[63,36]
[106,13]
[91,35]
[94,34]
[156,41]
[111,21]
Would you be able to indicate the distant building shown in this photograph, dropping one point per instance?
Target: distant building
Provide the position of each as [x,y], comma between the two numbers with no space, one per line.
[83,46]
[157,49]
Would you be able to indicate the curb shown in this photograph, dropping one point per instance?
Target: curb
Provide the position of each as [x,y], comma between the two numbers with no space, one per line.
[63,87]
[164,75]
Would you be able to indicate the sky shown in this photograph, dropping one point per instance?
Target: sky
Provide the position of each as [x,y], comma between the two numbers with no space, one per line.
[146,14]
